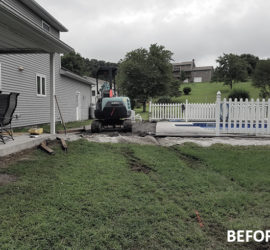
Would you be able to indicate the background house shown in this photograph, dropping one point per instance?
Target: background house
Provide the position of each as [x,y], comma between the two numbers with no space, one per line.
[193,73]
[29,73]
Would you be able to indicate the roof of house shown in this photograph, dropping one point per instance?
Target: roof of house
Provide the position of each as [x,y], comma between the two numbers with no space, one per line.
[44,14]
[20,34]
[183,63]
[74,76]
[203,68]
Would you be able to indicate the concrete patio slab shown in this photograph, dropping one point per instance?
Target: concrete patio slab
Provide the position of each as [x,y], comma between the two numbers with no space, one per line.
[22,142]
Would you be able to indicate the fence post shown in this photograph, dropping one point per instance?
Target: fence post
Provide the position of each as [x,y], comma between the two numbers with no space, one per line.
[230,116]
[218,113]
[262,117]
[186,110]
[150,110]
[257,115]
[268,117]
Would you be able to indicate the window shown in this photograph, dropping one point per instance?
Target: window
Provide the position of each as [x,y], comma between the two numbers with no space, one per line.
[41,85]
[46,26]
[93,92]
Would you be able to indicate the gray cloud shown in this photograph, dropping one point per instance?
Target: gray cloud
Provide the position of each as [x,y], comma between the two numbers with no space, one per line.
[199,29]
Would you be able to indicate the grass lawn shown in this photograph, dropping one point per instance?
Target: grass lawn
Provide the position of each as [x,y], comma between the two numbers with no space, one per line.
[59,126]
[144,115]
[206,92]
[92,197]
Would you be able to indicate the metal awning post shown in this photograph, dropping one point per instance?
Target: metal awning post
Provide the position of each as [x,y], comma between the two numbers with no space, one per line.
[52,93]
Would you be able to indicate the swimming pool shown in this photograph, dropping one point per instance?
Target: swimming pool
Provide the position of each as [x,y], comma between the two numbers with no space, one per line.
[212,125]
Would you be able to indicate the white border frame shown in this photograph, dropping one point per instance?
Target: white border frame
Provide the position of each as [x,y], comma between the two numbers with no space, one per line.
[41,76]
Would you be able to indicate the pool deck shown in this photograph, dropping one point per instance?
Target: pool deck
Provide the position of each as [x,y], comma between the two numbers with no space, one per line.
[185,129]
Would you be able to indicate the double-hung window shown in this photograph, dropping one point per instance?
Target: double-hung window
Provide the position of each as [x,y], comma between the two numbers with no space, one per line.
[41,85]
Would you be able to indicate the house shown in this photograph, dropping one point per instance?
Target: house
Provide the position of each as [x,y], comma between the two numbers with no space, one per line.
[30,64]
[193,73]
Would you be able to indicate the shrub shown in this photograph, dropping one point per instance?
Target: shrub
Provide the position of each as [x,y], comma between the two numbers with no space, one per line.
[238,94]
[164,99]
[187,90]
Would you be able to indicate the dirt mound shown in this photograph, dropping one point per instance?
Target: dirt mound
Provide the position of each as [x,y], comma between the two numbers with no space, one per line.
[6,179]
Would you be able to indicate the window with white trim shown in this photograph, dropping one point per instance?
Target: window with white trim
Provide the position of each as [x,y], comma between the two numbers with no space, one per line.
[46,26]
[41,85]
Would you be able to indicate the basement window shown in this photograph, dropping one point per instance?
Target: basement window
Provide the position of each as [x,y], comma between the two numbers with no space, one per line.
[41,85]
[46,26]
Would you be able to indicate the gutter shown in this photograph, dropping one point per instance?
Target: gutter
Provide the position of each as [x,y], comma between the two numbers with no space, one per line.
[74,76]
[38,9]
[11,11]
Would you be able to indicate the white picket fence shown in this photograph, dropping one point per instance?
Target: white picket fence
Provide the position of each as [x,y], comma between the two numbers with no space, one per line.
[244,116]
[183,111]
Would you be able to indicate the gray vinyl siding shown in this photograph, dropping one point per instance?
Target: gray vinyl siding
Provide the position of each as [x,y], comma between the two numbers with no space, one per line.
[66,89]
[24,10]
[32,109]
[66,92]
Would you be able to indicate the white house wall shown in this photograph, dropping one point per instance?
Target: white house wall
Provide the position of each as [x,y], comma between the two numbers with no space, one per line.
[32,109]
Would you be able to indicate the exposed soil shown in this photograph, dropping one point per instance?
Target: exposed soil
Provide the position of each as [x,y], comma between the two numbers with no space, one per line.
[13,158]
[6,179]
[144,128]
[191,160]
[135,163]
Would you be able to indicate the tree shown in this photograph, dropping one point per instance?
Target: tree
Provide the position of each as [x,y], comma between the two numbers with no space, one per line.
[145,74]
[83,66]
[261,77]
[251,61]
[232,68]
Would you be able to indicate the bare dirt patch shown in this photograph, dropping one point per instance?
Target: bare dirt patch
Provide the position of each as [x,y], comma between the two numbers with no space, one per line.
[6,179]
[191,160]
[135,163]
[6,161]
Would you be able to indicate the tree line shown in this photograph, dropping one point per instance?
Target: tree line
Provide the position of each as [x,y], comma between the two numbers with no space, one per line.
[147,73]
[234,68]
[83,66]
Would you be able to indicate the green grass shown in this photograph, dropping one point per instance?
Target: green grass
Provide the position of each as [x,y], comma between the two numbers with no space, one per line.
[144,115]
[90,198]
[206,92]
[59,126]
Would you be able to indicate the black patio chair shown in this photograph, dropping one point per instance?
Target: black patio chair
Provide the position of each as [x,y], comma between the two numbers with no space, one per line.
[8,104]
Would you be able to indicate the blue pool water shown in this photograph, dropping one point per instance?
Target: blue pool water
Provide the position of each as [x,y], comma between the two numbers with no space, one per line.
[212,125]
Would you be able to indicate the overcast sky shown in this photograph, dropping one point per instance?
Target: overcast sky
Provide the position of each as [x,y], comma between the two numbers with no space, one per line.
[199,29]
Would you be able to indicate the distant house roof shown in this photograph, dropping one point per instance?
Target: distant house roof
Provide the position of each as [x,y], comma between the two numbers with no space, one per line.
[203,68]
[74,76]
[183,63]
[44,14]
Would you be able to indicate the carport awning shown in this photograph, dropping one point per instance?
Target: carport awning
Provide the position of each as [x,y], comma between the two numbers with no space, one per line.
[18,34]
